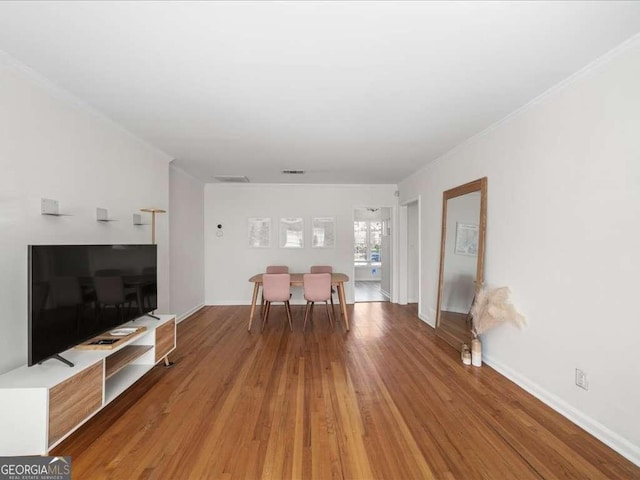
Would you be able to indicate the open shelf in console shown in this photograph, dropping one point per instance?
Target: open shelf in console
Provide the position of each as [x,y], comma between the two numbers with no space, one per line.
[123,357]
[122,380]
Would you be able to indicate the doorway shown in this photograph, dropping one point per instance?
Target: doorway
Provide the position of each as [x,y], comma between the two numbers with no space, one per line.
[409,255]
[372,254]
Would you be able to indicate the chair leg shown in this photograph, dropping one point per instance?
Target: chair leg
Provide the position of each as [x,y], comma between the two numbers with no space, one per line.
[326,304]
[265,315]
[306,314]
[288,308]
[333,310]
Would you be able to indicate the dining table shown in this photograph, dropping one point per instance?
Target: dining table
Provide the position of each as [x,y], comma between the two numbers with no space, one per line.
[297,280]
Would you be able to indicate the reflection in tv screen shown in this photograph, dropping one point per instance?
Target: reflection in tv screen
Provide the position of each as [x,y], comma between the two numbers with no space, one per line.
[79,291]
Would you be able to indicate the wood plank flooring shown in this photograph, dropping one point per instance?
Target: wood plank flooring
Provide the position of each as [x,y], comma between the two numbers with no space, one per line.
[387,400]
[369,291]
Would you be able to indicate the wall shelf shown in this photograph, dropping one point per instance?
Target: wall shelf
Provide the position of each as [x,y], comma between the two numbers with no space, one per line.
[102,215]
[51,208]
[137,220]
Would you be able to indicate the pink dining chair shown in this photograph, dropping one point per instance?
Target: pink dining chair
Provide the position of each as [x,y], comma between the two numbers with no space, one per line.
[321,269]
[317,288]
[277,269]
[325,269]
[276,287]
[273,269]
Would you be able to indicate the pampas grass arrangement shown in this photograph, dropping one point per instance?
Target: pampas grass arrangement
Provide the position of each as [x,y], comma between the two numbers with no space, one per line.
[492,308]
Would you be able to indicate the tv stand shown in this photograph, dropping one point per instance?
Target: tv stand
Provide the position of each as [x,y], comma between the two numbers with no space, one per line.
[152,316]
[44,404]
[58,357]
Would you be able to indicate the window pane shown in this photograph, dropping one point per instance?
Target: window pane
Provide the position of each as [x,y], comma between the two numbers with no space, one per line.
[360,241]
[375,241]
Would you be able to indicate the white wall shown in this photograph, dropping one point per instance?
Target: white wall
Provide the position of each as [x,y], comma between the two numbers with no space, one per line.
[53,148]
[458,282]
[563,222]
[229,262]
[186,206]
[413,254]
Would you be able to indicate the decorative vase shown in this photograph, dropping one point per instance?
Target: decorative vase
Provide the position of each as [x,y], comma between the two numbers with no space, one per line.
[465,354]
[476,352]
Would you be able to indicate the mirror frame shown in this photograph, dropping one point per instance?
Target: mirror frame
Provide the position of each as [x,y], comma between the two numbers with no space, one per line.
[479,185]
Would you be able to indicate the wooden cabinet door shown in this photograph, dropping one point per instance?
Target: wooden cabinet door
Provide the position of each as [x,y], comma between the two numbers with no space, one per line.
[165,339]
[73,400]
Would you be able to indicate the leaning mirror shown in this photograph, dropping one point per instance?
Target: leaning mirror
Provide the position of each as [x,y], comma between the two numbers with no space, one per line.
[464,219]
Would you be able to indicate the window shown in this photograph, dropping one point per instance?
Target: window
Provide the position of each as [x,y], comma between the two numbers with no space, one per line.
[367,241]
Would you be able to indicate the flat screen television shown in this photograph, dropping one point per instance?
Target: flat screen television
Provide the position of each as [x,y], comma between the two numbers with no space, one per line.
[79,291]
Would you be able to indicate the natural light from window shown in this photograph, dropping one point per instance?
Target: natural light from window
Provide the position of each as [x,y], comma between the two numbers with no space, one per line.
[367,241]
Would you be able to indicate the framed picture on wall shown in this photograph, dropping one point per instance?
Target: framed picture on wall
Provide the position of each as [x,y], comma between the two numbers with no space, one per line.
[259,232]
[291,232]
[466,239]
[323,232]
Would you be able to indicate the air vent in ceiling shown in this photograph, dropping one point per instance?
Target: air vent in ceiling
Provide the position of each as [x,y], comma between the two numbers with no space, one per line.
[293,172]
[231,179]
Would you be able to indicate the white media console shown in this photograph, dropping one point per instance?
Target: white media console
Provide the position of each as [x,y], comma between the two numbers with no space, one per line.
[42,405]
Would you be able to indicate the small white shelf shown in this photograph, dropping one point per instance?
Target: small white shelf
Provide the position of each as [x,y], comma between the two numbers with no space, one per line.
[122,380]
[51,208]
[102,215]
[137,220]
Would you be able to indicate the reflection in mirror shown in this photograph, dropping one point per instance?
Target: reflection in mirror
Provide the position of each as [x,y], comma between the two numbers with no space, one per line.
[461,259]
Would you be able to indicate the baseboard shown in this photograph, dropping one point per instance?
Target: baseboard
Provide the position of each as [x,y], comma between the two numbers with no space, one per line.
[189,313]
[447,308]
[620,444]
[225,303]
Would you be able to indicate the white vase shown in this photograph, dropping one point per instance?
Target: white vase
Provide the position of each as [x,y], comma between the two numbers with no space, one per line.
[465,354]
[476,352]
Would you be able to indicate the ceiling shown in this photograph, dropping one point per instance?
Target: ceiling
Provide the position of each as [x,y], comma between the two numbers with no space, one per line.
[351,92]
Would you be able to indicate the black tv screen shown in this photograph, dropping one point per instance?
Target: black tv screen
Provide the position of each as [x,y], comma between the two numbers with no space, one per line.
[79,291]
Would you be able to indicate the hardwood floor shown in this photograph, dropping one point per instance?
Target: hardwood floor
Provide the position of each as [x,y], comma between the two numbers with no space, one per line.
[387,400]
[368,291]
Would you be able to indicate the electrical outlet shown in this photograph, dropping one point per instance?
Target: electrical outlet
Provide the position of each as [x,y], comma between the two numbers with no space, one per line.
[582,379]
